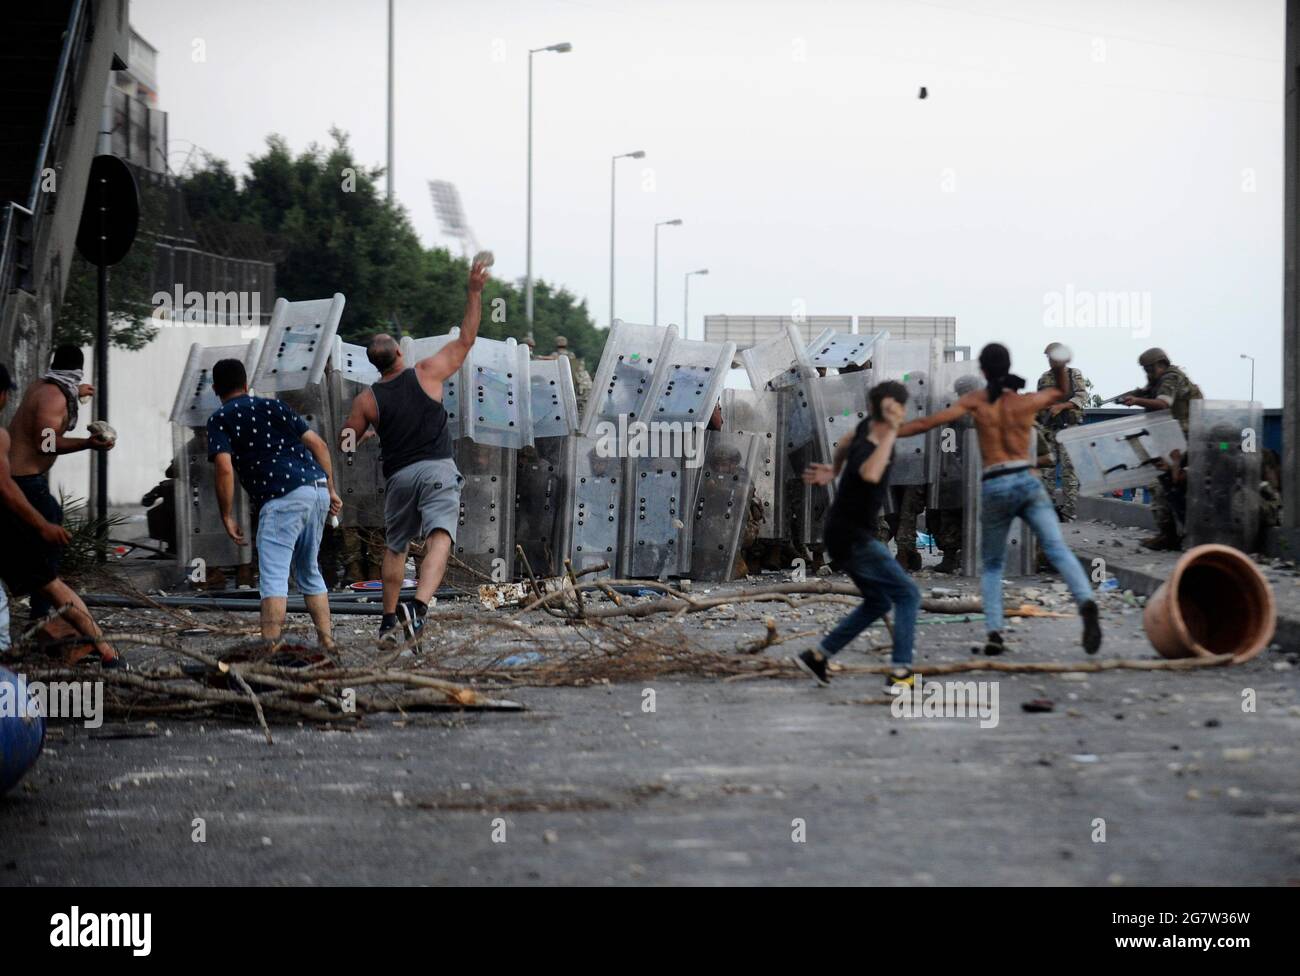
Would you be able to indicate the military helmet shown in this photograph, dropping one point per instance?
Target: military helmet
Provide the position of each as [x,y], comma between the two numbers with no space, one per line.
[561,342]
[1152,356]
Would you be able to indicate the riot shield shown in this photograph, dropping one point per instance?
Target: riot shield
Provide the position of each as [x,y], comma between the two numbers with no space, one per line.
[627,366]
[541,498]
[298,343]
[758,412]
[838,350]
[358,474]
[722,503]
[1224,439]
[656,540]
[195,402]
[200,533]
[496,381]
[909,361]
[595,493]
[688,382]
[947,444]
[351,361]
[485,533]
[1121,453]
[773,364]
[840,404]
[554,403]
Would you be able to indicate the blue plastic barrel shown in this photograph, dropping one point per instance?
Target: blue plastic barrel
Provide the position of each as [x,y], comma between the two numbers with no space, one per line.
[21,738]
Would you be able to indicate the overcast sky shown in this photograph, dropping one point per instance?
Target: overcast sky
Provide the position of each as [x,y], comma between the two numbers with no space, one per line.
[1125,154]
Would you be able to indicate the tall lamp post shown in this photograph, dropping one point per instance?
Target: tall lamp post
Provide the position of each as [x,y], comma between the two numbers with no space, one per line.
[1252,375]
[639,154]
[686,303]
[561,48]
[663,223]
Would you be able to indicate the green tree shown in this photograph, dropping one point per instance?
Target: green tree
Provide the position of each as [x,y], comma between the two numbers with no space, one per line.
[331,229]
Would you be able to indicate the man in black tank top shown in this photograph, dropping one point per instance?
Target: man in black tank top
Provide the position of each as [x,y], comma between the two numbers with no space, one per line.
[422,485]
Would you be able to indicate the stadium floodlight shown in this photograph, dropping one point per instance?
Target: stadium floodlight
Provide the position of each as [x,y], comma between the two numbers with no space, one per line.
[451,215]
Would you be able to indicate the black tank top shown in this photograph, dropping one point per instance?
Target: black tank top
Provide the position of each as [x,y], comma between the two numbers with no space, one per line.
[412,425]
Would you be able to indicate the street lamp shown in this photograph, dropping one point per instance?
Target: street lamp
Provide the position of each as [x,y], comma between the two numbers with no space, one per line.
[639,154]
[1252,375]
[662,223]
[562,48]
[686,303]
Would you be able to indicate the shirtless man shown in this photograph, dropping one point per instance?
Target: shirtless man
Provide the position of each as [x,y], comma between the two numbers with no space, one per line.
[31,542]
[422,485]
[1004,421]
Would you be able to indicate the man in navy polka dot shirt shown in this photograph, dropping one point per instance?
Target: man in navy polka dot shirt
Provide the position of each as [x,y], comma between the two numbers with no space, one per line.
[285,468]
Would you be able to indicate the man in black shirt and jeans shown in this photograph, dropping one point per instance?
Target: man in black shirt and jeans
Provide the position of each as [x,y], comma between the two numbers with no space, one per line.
[866,457]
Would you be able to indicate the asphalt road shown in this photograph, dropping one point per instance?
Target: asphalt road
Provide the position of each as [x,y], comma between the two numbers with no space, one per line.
[748,782]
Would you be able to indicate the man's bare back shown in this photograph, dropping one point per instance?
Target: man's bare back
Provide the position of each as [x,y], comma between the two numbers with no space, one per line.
[1003,426]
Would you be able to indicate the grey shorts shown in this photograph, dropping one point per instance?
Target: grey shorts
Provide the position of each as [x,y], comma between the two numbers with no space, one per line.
[420,499]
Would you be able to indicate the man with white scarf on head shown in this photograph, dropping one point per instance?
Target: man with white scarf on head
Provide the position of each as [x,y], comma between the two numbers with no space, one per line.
[39,430]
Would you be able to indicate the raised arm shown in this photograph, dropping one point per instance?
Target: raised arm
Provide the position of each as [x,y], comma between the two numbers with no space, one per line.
[449,358]
[949,415]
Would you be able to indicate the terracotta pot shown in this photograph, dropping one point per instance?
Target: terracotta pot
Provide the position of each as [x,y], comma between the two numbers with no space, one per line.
[1216,601]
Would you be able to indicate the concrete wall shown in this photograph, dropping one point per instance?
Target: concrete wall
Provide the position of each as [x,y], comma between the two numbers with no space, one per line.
[142,389]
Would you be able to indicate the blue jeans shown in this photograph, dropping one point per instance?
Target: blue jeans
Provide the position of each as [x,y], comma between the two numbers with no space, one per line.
[883,584]
[289,530]
[1004,499]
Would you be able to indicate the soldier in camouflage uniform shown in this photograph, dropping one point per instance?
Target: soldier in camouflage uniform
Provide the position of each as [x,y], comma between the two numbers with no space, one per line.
[900,525]
[581,378]
[1168,388]
[1051,421]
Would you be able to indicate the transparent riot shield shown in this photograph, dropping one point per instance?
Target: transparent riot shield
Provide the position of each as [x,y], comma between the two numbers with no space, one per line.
[554,403]
[201,540]
[627,366]
[909,361]
[595,510]
[688,382]
[496,382]
[656,540]
[1224,440]
[485,532]
[358,474]
[1022,552]
[758,412]
[723,490]
[413,350]
[195,402]
[839,350]
[298,345]
[350,360]
[946,452]
[773,364]
[840,404]
[541,499]
[1121,453]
